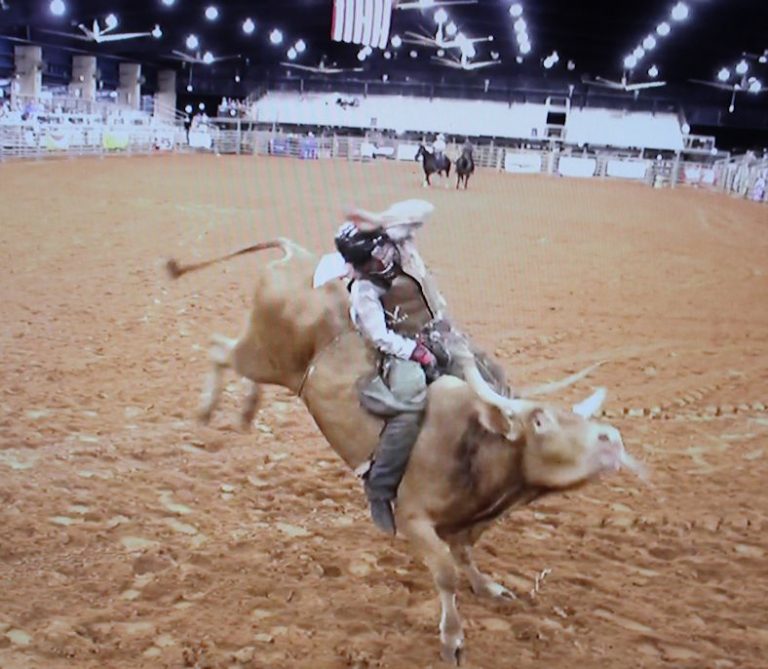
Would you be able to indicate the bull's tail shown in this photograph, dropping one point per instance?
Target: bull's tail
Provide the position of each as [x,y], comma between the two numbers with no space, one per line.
[289,248]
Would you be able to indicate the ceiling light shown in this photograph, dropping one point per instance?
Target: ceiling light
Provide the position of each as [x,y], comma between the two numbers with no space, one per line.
[292,54]
[548,62]
[157,32]
[300,46]
[192,42]
[639,52]
[520,25]
[755,86]
[385,77]
[555,57]
[519,59]
[188,109]
[525,48]
[201,106]
[211,13]
[495,55]
[111,21]
[361,55]
[685,128]
[387,55]
[275,36]
[663,29]
[630,61]
[237,78]
[763,59]
[396,41]
[571,66]
[440,53]
[680,11]
[208,58]
[168,3]
[724,74]
[413,54]
[451,29]
[649,43]
[441,16]
[249,26]
[742,67]
[516,9]
[58,7]
[189,88]
[653,71]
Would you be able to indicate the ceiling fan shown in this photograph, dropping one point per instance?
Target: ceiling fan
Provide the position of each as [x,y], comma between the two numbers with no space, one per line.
[98,34]
[321,68]
[206,58]
[741,86]
[622,85]
[463,63]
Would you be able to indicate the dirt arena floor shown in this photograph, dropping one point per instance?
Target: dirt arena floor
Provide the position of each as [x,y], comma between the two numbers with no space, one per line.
[131,537]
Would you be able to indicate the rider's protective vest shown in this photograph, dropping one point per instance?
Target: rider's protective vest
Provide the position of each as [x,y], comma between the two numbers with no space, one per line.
[410,305]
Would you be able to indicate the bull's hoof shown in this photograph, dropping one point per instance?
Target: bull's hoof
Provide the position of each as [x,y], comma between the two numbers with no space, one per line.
[453,652]
[495,591]
[204,416]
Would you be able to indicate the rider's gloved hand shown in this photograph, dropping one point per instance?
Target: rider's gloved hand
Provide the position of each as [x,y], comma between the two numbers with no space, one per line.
[423,356]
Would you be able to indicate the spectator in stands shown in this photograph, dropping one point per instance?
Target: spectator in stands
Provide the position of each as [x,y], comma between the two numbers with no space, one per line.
[758,190]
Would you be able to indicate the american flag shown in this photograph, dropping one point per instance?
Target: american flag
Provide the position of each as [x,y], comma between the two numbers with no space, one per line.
[363,22]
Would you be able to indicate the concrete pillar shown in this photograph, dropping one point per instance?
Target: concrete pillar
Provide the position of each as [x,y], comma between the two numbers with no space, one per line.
[165,97]
[83,84]
[29,70]
[129,89]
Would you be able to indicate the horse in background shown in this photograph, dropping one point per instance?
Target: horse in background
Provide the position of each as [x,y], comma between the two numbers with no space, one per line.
[465,166]
[432,165]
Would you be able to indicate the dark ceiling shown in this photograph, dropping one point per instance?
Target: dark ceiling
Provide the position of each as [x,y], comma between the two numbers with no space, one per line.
[595,35]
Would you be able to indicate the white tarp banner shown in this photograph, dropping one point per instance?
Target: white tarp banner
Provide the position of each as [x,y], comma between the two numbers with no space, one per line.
[407,151]
[527,163]
[627,169]
[57,140]
[200,139]
[577,167]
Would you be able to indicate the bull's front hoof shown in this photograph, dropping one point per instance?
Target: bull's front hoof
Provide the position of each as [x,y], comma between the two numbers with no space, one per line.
[453,652]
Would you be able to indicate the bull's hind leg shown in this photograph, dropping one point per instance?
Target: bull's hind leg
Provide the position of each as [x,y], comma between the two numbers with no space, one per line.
[482,585]
[220,355]
[250,406]
[437,556]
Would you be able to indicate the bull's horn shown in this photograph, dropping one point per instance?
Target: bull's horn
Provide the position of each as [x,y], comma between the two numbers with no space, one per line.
[481,388]
[548,388]
[591,405]
[636,467]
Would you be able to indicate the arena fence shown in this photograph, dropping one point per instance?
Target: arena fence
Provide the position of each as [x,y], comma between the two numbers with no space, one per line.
[697,168]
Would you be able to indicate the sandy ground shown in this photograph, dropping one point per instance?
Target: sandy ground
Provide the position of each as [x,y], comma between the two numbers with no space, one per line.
[131,537]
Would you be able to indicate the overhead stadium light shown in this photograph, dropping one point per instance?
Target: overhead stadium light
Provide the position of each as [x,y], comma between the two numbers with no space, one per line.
[396,41]
[188,109]
[111,21]
[724,74]
[440,53]
[548,63]
[189,88]
[441,16]
[663,29]
[208,58]
[387,55]
[742,67]
[201,106]
[756,86]
[414,54]
[237,78]
[520,25]
[685,128]
[249,26]
[649,43]
[275,36]
[58,7]
[211,13]
[451,29]
[516,10]
[680,11]
[300,46]
[525,48]
[361,55]
[157,32]
[571,66]
[630,62]
[192,42]
[653,71]
[168,3]
[639,52]
[292,54]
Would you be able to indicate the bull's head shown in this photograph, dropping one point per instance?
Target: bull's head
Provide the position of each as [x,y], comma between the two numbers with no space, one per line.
[561,448]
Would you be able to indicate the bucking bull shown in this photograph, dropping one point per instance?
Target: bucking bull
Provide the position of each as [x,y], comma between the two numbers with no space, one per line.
[478,455]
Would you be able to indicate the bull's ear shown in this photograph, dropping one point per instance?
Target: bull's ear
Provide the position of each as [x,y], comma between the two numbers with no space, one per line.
[498,421]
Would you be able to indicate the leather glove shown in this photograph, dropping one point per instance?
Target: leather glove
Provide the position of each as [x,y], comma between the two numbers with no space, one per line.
[423,356]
